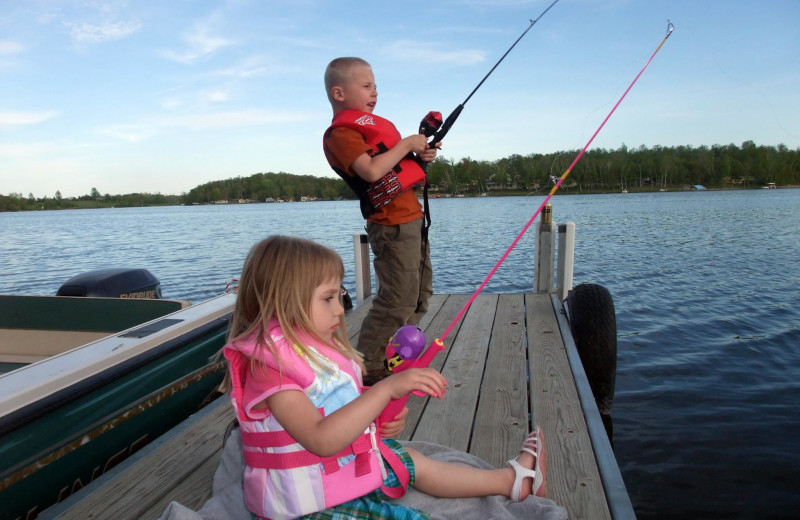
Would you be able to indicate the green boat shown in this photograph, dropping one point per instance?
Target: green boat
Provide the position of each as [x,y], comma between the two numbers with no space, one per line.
[87,381]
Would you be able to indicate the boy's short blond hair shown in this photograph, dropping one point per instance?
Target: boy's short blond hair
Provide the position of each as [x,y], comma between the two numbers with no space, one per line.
[338,71]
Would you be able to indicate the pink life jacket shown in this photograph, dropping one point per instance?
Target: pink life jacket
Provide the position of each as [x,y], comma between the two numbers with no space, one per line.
[281,478]
[381,135]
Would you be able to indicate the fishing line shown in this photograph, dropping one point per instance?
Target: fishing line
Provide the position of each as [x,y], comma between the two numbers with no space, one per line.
[442,131]
[759,92]
[439,341]
[432,125]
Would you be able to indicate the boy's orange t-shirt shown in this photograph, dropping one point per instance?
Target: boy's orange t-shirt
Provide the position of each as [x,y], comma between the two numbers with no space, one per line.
[345,146]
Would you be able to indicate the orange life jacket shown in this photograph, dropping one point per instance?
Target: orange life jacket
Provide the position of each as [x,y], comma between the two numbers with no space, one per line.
[381,135]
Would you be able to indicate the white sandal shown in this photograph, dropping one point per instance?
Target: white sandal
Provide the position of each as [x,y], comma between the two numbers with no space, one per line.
[533,444]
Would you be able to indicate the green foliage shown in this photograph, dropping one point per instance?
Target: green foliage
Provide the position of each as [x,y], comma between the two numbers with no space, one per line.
[599,170]
[15,202]
[274,186]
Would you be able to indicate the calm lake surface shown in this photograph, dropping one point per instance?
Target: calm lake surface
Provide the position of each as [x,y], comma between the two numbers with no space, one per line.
[705,285]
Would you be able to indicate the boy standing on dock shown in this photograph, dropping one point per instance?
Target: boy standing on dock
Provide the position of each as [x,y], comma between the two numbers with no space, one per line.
[362,149]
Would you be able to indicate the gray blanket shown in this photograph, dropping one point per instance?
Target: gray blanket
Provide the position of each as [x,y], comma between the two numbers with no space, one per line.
[227,502]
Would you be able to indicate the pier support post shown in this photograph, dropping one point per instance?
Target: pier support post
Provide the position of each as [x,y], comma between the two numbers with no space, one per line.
[545,252]
[566,258]
[363,272]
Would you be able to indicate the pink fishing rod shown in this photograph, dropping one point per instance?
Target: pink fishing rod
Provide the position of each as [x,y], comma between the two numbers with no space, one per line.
[438,344]
[396,405]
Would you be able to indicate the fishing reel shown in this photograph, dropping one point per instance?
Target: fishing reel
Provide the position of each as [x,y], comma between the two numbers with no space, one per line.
[405,345]
[430,124]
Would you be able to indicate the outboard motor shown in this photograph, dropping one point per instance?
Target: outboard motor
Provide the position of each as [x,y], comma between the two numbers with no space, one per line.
[113,283]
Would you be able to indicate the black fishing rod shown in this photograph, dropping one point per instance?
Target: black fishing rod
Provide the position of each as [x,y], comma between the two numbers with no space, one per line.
[433,120]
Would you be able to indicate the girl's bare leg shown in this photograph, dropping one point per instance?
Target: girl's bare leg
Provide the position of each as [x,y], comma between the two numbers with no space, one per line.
[450,480]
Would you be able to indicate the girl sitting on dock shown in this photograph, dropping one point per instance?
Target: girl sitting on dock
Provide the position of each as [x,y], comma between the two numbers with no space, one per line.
[311,446]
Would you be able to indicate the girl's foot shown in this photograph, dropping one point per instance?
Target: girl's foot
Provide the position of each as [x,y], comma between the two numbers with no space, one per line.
[530,463]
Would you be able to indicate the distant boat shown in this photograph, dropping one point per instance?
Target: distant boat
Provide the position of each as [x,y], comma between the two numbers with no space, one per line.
[624,190]
[769,186]
[699,187]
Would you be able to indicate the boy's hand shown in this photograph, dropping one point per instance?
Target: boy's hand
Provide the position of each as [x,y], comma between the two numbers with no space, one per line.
[416,143]
[429,154]
[393,429]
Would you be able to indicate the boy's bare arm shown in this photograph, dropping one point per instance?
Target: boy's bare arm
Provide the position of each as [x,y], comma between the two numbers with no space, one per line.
[374,168]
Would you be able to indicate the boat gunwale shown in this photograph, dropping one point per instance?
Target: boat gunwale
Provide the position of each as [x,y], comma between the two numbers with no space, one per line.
[27,387]
[31,411]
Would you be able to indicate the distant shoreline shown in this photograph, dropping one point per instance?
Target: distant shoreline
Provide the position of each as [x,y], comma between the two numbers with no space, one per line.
[174,200]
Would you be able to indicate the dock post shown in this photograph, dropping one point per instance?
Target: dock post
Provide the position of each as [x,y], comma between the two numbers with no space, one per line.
[363,273]
[566,258]
[545,252]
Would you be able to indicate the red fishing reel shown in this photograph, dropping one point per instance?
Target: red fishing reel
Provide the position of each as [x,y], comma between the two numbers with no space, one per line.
[430,123]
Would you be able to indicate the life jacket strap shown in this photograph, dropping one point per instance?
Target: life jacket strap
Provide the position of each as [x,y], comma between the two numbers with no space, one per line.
[400,471]
[297,459]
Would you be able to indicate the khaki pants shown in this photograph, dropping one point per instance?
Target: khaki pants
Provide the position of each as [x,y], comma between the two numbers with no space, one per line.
[405,277]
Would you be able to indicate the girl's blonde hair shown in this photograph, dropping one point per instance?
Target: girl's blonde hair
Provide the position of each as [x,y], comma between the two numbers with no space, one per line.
[278,279]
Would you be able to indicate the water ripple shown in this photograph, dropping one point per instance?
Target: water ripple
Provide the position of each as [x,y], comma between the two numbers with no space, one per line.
[704,286]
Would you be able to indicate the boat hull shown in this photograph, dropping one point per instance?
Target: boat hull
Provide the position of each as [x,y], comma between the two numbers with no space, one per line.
[60,441]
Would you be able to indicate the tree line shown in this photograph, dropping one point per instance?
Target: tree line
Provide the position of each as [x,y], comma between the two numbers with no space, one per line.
[262,187]
[19,202]
[602,170]
[599,170]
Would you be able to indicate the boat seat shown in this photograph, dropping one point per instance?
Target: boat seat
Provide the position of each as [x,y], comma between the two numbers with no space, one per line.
[33,328]
[29,346]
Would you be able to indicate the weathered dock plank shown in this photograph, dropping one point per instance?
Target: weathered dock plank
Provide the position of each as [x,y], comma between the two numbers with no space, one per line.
[159,473]
[193,492]
[573,480]
[507,369]
[355,318]
[463,370]
[502,419]
[434,324]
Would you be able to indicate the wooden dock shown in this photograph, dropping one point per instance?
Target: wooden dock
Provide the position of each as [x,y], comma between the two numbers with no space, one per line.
[510,363]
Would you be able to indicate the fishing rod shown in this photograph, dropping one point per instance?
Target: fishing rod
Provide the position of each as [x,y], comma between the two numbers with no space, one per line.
[385,189]
[437,345]
[433,120]
[432,125]
[439,341]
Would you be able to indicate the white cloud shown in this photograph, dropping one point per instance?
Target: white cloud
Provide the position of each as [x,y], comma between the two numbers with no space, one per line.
[250,67]
[92,33]
[25,118]
[129,133]
[138,132]
[236,118]
[412,51]
[170,103]
[217,96]
[200,43]
[22,150]
[9,47]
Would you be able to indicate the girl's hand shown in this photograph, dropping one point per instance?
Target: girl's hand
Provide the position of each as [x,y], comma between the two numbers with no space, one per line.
[426,380]
[393,429]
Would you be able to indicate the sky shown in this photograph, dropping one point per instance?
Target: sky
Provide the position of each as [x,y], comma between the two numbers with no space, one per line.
[160,97]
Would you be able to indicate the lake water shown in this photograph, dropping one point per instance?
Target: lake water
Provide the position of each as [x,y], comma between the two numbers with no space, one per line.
[705,286]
